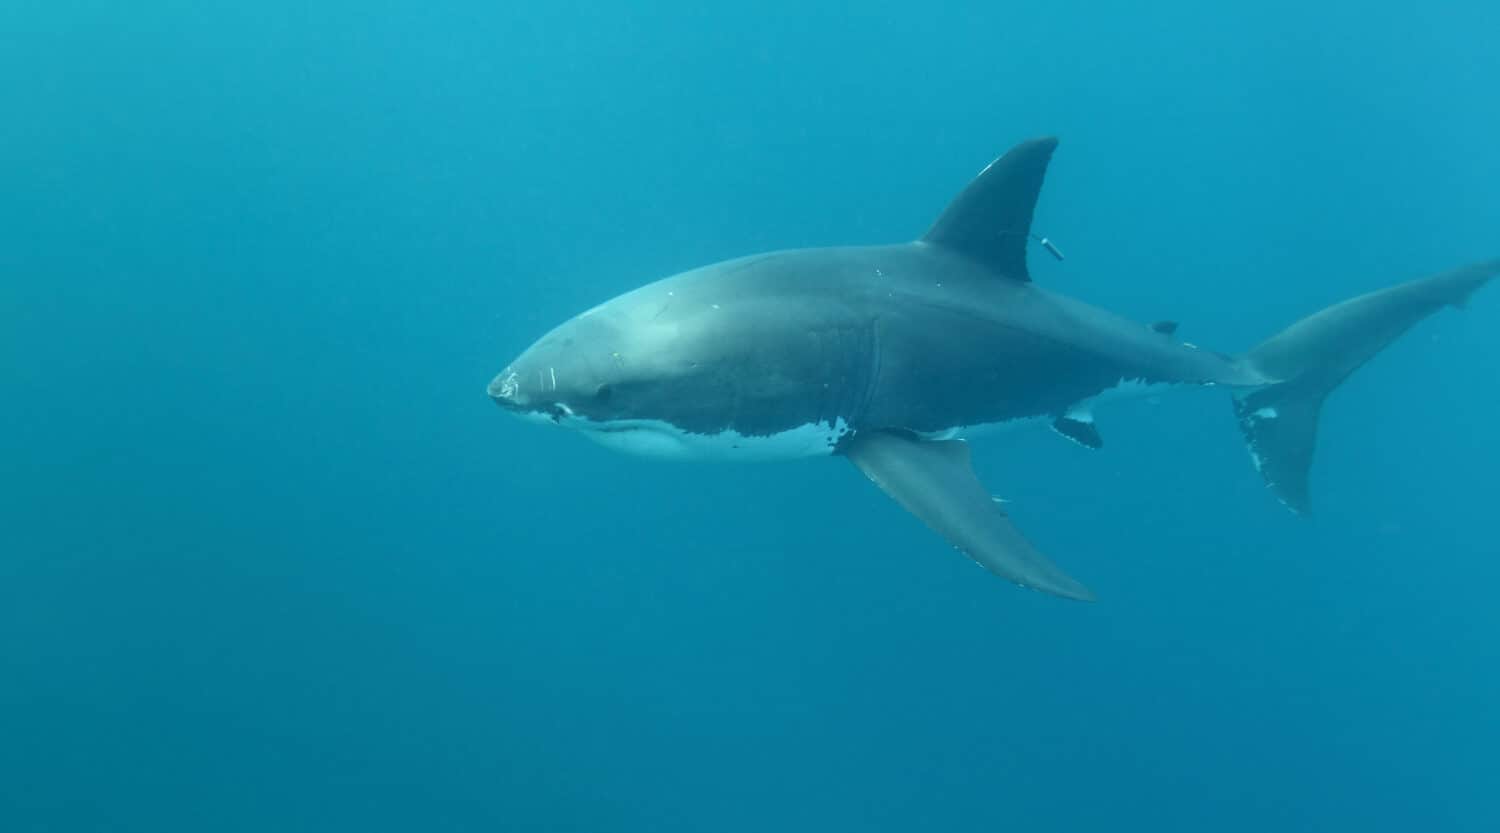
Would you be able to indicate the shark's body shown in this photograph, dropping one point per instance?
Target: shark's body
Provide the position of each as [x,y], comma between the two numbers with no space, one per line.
[888,354]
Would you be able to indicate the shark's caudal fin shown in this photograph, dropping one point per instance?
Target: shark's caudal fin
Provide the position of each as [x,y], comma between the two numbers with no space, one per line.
[1307,360]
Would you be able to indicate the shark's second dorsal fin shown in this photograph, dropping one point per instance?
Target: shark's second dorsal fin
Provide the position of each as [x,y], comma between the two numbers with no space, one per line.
[990,220]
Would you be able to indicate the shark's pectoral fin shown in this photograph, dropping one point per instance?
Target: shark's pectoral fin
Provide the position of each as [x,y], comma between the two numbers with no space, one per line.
[934,481]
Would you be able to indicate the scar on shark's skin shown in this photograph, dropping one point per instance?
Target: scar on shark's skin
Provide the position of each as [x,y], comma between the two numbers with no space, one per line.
[872,352]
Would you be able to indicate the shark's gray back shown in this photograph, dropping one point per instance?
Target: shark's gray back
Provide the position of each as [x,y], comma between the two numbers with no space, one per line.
[919,338]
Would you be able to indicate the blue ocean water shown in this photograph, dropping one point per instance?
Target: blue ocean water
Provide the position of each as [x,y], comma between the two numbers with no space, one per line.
[270,559]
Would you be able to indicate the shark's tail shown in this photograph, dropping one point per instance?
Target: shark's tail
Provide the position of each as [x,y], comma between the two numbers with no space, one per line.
[1307,360]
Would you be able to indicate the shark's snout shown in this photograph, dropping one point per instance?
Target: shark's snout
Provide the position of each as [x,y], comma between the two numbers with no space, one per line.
[505,389]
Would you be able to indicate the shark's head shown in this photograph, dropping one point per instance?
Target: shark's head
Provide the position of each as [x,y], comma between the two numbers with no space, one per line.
[638,373]
[577,375]
[686,368]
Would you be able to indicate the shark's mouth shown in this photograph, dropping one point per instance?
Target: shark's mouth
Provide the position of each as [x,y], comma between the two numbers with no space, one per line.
[552,413]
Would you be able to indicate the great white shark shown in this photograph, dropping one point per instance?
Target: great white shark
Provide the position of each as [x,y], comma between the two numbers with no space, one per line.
[891,355]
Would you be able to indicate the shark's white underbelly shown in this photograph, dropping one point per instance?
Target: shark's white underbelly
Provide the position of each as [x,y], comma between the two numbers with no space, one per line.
[655,438]
[661,439]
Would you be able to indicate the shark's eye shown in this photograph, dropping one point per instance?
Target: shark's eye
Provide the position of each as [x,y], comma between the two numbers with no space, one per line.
[604,392]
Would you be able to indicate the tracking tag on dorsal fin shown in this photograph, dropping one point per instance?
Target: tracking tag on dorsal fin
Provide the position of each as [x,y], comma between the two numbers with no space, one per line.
[990,221]
[1166,328]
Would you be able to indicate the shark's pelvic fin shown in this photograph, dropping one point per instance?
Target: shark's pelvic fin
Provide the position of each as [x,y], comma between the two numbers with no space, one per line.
[934,481]
[990,220]
[1080,429]
[1307,360]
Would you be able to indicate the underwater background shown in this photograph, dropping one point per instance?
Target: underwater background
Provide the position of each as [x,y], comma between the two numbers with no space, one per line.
[270,559]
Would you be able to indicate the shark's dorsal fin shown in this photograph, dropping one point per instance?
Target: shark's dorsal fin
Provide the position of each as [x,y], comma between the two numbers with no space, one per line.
[990,220]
